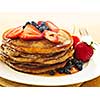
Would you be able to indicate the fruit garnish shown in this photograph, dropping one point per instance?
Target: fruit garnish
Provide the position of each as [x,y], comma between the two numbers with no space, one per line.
[43,26]
[30,28]
[52,72]
[31,36]
[51,36]
[52,26]
[72,66]
[83,51]
[75,40]
[26,24]
[40,22]
[13,33]
[31,32]
[35,24]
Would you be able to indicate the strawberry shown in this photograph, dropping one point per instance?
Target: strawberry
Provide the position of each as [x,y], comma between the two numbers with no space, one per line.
[31,28]
[83,51]
[13,33]
[51,36]
[52,26]
[31,33]
[31,36]
[75,40]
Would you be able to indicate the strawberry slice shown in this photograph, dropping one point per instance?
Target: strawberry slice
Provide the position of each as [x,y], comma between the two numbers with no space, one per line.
[31,28]
[83,51]
[31,33]
[13,33]
[51,36]
[75,40]
[31,36]
[52,26]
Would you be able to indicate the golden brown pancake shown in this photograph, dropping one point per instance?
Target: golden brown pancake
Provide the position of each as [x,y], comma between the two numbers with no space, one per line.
[35,56]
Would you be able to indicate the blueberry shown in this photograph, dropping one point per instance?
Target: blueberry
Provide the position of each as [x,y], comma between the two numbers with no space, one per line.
[42,23]
[51,72]
[74,60]
[69,62]
[37,27]
[43,26]
[79,65]
[41,29]
[68,67]
[26,24]
[35,24]
[23,26]
[60,70]
[67,71]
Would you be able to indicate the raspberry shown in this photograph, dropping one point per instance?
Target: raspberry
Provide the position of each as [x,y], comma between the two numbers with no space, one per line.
[83,51]
[75,40]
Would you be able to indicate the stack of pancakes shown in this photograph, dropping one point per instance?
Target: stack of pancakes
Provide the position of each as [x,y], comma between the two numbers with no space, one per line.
[35,56]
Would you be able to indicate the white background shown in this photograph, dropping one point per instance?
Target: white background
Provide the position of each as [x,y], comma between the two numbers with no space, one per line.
[90,6]
[50,5]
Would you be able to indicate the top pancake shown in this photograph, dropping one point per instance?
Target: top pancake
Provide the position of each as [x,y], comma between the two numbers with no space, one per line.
[42,46]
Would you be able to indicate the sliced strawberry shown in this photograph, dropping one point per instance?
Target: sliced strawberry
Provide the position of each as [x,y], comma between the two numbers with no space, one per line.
[51,36]
[52,26]
[83,51]
[31,36]
[75,40]
[31,33]
[31,28]
[13,33]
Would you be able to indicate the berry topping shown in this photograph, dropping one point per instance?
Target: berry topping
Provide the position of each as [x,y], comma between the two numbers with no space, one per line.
[31,32]
[13,33]
[75,40]
[51,72]
[79,65]
[67,71]
[72,66]
[52,26]
[51,36]
[60,70]
[26,24]
[83,51]
[42,26]
[39,22]
[35,24]
[68,66]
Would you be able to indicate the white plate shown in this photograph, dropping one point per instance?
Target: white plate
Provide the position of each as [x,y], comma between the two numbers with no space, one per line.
[91,71]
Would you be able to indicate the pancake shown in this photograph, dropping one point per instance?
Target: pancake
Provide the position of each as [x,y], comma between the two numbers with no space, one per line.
[12,52]
[42,46]
[36,56]
[33,69]
[41,60]
[52,59]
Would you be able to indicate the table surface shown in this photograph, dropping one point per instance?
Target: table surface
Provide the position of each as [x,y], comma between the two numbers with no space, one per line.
[92,83]
[63,20]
